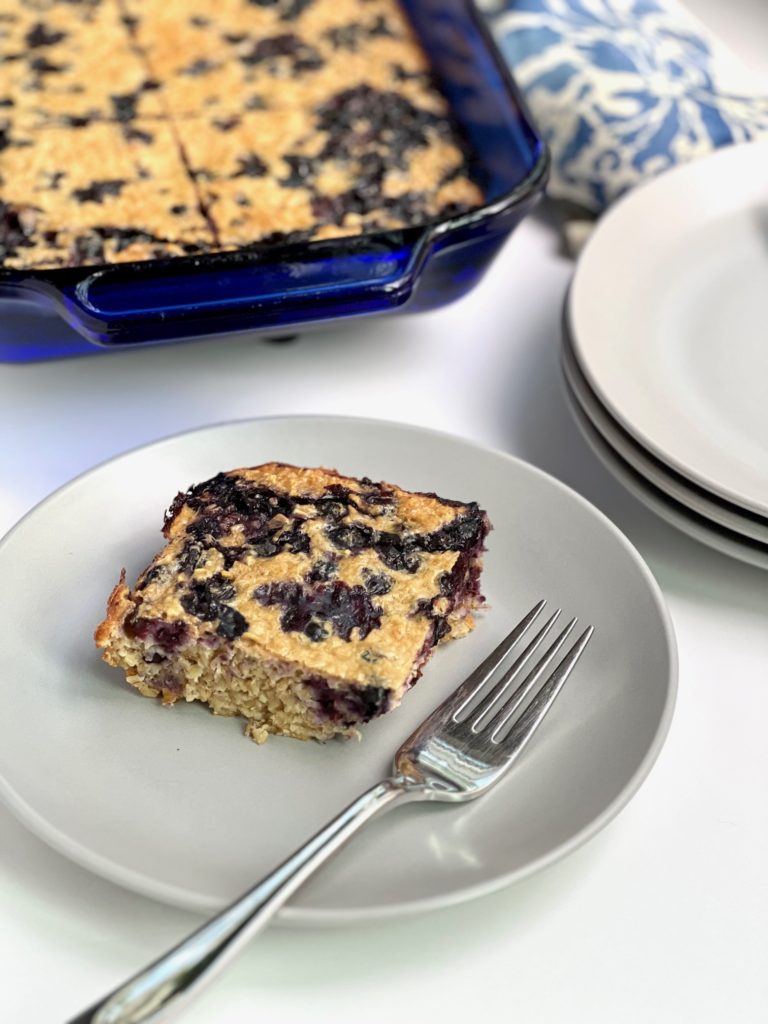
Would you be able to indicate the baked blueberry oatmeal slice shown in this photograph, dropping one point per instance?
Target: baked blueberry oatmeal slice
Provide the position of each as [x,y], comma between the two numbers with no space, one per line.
[305,601]
[94,195]
[365,160]
[68,64]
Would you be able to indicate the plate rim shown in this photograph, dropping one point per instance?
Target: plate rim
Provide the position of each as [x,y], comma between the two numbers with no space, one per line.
[711,535]
[695,170]
[641,461]
[323,917]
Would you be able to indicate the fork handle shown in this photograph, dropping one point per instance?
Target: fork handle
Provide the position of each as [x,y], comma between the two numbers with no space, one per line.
[169,982]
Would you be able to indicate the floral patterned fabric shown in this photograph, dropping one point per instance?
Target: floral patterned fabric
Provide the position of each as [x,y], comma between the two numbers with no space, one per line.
[621,89]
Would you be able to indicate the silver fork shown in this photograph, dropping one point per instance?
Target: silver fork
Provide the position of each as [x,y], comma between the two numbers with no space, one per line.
[460,751]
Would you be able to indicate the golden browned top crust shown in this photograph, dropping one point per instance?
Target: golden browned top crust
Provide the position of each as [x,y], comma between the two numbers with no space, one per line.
[344,577]
[133,129]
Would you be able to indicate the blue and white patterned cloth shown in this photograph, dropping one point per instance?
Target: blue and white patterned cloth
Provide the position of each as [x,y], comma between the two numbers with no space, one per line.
[622,89]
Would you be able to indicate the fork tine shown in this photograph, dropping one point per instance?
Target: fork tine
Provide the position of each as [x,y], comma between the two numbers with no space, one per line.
[486,705]
[477,679]
[505,712]
[532,717]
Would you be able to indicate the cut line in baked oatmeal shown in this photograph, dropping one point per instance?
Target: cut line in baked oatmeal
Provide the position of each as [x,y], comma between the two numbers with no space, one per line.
[298,119]
[305,601]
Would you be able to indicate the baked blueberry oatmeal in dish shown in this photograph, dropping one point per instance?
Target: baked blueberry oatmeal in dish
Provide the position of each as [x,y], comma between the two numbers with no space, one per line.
[305,601]
[140,129]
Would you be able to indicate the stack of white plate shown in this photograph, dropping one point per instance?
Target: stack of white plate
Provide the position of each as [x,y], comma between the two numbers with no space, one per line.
[665,348]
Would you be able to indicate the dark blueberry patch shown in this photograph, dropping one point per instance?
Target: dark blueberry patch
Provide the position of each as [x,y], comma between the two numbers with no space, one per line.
[266,548]
[226,124]
[385,500]
[231,623]
[227,494]
[198,68]
[42,66]
[398,553]
[250,166]
[363,116]
[6,101]
[97,190]
[349,37]
[279,237]
[401,551]
[402,74]
[205,598]
[374,701]
[295,540]
[354,537]
[322,572]
[344,607]
[139,135]
[441,629]
[16,229]
[350,705]
[40,35]
[255,102]
[315,632]
[326,210]
[288,9]
[124,105]
[230,553]
[377,584]
[293,8]
[156,574]
[192,555]
[450,582]
[274,51]
[90,249]
[465,531]
[170,636]
[199,22]
[178,209]
[86,249]
[301,169]
[332,507]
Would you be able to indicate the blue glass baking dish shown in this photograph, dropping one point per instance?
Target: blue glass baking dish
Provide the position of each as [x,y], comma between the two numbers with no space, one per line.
[277,289]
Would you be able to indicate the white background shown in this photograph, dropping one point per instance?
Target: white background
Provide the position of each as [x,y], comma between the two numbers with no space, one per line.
[662,918]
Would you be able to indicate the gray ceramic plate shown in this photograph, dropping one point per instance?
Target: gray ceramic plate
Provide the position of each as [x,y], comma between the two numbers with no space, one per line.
[177,804]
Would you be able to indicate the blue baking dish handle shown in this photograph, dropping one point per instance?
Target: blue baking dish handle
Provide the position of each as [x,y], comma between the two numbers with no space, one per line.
[257,291]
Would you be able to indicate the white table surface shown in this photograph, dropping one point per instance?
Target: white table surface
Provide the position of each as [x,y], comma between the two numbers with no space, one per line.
[662,918]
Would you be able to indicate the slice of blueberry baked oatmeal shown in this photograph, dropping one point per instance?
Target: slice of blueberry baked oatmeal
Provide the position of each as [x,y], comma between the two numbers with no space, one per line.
[305,601]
